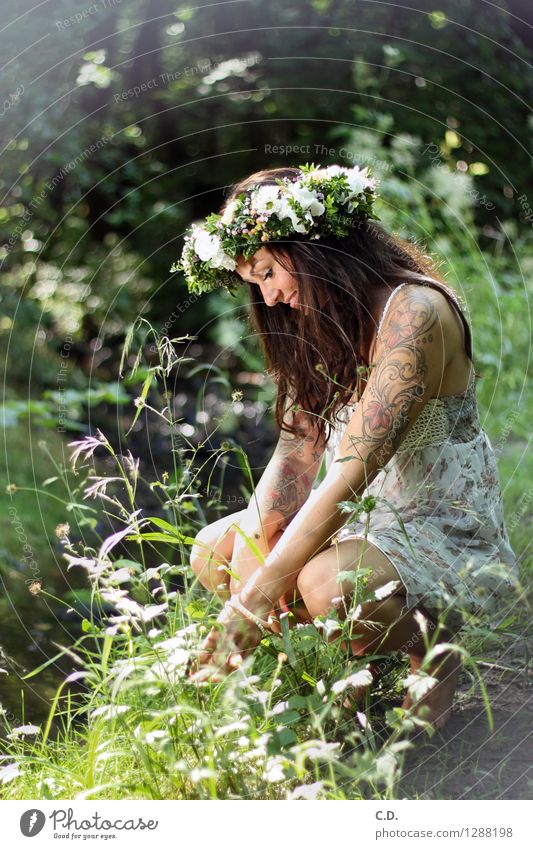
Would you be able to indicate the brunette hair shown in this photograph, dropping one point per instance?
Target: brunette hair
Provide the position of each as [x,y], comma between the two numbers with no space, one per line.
[316,360]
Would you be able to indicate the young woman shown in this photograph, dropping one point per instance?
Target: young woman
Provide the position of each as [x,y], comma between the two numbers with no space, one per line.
[372,358]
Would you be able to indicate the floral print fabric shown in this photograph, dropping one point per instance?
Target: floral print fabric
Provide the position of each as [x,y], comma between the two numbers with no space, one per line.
[443,485]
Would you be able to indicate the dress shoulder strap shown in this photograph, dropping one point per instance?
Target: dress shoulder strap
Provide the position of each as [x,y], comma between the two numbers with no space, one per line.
[424,280]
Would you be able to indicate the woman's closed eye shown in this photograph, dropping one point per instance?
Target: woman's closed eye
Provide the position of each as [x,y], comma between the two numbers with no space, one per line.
[268,273]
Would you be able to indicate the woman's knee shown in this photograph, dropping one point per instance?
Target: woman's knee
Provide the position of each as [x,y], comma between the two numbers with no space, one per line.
[212,550]
[319,581]
[314,585]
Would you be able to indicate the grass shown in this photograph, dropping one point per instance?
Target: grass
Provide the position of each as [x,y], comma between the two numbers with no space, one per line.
[129,723]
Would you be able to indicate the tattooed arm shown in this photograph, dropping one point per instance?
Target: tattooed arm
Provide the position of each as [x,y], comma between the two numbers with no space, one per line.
[283,488]
[412,351]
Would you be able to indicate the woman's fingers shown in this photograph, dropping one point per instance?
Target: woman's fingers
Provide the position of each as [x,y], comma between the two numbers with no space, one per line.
[208,646]
[223,650]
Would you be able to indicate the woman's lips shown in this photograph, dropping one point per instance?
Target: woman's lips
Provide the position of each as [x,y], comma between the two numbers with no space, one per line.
[293,301]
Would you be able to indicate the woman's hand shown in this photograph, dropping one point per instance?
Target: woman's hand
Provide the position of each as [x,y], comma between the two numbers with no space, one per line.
[225,646]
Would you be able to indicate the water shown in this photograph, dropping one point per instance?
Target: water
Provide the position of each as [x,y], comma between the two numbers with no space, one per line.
[29,628]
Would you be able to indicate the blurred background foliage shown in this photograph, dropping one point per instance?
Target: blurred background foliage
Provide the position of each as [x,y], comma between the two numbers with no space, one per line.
[123,120]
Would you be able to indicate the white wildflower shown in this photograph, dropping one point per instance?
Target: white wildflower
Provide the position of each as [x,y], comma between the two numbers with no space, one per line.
[274,770]
[121,600]
[116,624]
[119,576]
[25,731]
[318,750]
[48,785]
[90,564]
[329,627]
[421,621]
[363,721]
[362,678]
[179,657]
[386,590]
[201,773]
[419,684]
[152,611]
[155,736]
[109,711]
[307,791]
[8,772]
[355,614]
[238,725]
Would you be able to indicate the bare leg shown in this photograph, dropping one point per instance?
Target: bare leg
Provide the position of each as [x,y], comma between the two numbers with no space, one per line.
[211,555]
[211,559]
[436,705]
[385,625]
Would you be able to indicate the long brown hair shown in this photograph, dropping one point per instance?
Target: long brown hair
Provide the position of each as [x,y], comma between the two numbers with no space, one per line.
[316,360]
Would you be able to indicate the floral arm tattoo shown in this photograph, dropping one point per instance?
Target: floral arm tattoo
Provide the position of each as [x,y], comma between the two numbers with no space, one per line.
[408,349]
[298,463]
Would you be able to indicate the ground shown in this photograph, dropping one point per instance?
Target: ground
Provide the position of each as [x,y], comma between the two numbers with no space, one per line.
[466,760]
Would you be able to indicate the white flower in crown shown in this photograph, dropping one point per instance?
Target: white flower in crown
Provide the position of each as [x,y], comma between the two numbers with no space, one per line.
[229,212]
[332,170]
[324,173]
[209,248]
[357,180]
[307,198]
[271,199]
[283,209]
[262,197]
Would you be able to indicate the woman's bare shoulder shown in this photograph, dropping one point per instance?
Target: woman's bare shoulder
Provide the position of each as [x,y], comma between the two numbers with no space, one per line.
[430,306]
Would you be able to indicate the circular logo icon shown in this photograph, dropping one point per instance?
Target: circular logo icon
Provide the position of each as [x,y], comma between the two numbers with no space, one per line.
[32,822]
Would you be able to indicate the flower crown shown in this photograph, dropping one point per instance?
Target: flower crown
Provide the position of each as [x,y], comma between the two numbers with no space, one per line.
[314,204]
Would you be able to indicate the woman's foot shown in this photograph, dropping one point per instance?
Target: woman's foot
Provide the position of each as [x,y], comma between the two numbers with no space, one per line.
[436,704]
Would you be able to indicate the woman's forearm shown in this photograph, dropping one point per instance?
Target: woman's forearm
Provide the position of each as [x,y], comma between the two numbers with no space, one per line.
[264,522]
[317,521]
[244,561]
[283,489]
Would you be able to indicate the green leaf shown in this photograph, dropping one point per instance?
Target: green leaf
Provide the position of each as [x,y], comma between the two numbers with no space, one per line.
[144,392]
[251,544]
[287,644]
[288,717]
[352,575]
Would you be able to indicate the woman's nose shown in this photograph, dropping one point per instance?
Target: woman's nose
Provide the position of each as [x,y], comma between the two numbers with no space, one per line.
[271,296]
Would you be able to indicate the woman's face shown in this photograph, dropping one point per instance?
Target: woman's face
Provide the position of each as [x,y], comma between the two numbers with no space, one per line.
[276,283]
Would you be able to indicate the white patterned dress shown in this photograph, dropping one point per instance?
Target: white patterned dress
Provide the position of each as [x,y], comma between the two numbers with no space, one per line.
[443,484]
